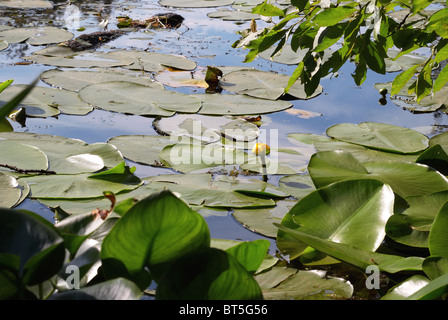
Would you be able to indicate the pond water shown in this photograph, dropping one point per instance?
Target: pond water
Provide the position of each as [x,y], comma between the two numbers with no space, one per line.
[208,42]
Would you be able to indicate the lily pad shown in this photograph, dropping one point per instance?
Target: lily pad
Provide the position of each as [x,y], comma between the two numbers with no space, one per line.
[141,148]
[22,156]
[82,186]
[195,3]
[261,220]
[406,179]
[36,36]
[222,191]
[134,98]
[61,56]
[10,191]
[76,80]
[47,102]
[69,156]
[28,4]
[380,136]
[153,61]
[3,45]
[233,15]
[178,79]
[228,104]
[263,84]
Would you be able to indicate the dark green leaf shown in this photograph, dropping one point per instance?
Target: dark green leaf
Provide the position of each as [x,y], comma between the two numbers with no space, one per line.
[332,16]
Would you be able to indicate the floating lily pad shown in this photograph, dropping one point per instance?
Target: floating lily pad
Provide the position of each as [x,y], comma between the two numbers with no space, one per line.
[22,156]
[61,56]
[134,98]
[263,84]
[47,102]
[153,61]
[189,157]
[285,56]
[36,35]
[298,185]
[75,80]
[406,179]
[195,3]
[262,220]
[28,4]
[233,15]
[227,104]
[141,148]
[10,191]
[380,136]
[67,155]
[84,185]
[403,62]
[222,191]
[3,45]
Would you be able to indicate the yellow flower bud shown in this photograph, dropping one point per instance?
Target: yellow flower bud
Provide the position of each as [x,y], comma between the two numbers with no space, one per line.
[261,149]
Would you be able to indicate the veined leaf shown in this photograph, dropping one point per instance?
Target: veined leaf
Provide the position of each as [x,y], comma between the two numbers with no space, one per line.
[268,10]
[332,16]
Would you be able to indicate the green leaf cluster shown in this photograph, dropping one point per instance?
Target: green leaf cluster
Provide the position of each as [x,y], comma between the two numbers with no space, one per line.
[363,33]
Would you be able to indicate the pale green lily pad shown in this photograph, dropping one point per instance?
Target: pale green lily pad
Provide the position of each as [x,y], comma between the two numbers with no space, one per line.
[61,56]
[228,104]
[380,136]
[27,4]
[298,185]
[134,98]
[69,156]
[195,3]
[207,128]
[291,284]
[141,148]
[47,102]
[36,35]
[285,56]
[153,61]
[261,220]
[263,84]
[22,156]
[280,161]
[3,45]
[402,63]
[189,157]
[221,192]
[82,186]
[76,80]
[233,15]
[10,192]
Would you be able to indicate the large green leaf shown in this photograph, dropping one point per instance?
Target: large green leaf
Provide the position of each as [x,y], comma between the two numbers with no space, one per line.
[208,274]
[31,250]
[354,256]
[116,289]
[250,254]
[352,212]
[438,236]
[406,179]
[22,156]
[380,136]
[406,288]
[154,233]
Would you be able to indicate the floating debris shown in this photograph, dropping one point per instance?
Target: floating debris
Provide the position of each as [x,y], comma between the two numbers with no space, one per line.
[161,20]
[92,40]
